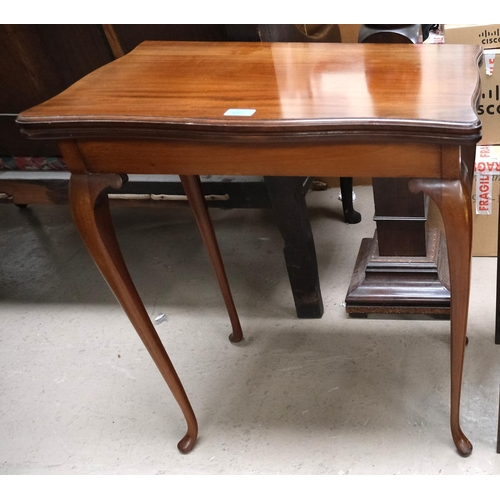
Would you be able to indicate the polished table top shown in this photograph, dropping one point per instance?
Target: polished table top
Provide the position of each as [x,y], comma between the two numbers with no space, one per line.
[381,110]
[172,89]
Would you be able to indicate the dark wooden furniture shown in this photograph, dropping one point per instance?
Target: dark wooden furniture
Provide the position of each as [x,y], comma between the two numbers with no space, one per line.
[320,110]
[403,269]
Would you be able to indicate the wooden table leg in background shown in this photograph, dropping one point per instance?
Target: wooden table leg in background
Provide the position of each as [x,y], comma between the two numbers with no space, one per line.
[350,215]
[452,196]
[287,195]
[90,209]
[194,192]
[498,432]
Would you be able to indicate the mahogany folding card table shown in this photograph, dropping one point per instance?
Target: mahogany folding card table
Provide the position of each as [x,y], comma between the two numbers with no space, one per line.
[278,109]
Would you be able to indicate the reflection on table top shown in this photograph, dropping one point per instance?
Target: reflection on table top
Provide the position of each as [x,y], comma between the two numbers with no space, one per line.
[293,87]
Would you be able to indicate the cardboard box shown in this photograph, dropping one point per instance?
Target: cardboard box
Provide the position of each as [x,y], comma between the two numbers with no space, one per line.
[487,35]
[489,105]
[485,226]
[485,201]
[484,215]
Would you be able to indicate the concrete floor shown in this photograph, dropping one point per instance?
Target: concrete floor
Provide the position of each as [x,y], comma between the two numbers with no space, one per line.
[80,395]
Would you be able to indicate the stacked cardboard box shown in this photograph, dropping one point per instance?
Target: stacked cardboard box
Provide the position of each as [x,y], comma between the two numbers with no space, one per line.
[485,191]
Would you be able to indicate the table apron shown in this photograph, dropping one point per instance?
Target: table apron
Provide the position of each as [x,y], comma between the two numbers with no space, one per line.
[289,159]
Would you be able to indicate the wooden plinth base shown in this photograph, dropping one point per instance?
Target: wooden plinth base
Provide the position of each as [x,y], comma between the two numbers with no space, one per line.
[400,285]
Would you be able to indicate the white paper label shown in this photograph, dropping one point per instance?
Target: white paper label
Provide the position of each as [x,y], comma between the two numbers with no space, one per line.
[239,112]
[489,62]
[487,160]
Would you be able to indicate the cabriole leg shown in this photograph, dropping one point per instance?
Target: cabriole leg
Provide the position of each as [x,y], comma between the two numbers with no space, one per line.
[90,209]
[453,200]
[194,192]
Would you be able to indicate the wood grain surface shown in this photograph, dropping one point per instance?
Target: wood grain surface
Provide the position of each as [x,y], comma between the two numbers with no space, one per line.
[183,89]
